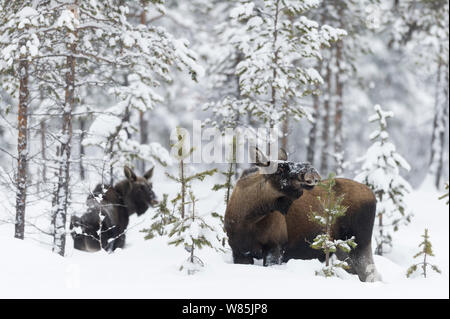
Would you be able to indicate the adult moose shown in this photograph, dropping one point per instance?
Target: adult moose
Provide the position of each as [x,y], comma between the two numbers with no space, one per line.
[267,216]
[109,208]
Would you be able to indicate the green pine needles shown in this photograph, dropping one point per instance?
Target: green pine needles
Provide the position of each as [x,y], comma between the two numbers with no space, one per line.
[427,251]
[184,225]
[332,209]
[161,219]
[445,195]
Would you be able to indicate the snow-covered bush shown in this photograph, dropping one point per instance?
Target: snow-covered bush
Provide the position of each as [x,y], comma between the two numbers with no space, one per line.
[381,172]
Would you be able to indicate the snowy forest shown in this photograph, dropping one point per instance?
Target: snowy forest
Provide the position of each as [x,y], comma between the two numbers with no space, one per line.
[104,104]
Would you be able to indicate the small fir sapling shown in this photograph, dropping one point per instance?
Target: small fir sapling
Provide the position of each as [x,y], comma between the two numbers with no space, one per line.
[188,227]
[229,173]
[193,232]
[332,209]
[427,251]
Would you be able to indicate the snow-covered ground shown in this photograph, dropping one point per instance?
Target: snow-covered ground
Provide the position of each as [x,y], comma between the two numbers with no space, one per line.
[149,268]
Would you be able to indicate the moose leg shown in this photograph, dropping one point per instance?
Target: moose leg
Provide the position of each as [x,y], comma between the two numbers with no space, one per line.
[239,258]
[273,255]
[272,236]
[361,261]
[119,242]
[343,256]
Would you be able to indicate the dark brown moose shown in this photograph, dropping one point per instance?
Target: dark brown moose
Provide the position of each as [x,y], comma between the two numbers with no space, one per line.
[267,217]
[105,223]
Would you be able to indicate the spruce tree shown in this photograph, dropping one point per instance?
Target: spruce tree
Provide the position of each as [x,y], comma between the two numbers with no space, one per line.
[332,209]
[381,172]
[427,251]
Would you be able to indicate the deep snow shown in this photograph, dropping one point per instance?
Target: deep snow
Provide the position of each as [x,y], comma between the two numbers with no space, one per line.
[149,268]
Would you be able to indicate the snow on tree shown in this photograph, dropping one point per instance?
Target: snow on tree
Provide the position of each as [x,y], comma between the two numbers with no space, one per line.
[339,69]
[381,172]
[276,41]
[332,209]
[145,55]
[190,229]
[427,251]
[19,45]
[423,27]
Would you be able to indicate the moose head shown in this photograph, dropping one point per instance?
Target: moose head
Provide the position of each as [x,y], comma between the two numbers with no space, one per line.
[137,191]
[289,178]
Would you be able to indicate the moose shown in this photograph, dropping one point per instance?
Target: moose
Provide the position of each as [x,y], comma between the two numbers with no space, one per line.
[267,216]
[109,209]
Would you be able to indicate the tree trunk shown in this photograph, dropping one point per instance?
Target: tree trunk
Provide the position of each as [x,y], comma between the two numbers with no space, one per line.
[434,132]
[183,189]
[326,123]
[62,191]
[312,135]
[22,144]
[442,130]
[338,135]
[285,131]
[82,150]
[143,123]
[44,151]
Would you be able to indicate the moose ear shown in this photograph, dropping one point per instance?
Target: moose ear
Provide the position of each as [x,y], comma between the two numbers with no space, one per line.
[282,155]
[258,157]
[148,175]
[129,174]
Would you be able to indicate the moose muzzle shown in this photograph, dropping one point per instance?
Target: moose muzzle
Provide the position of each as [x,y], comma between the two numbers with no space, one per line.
[309,176]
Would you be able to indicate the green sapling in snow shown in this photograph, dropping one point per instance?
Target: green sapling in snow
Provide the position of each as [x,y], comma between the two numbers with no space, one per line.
[332,210]
[427,251]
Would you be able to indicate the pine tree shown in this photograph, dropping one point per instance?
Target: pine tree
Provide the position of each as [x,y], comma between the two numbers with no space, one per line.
[272,71]
[445,195]
[426,251]
[332,209]
[424,26]
[381,172]
[144,55]
[339,69]
[19,45]
[187,227]
[162,218]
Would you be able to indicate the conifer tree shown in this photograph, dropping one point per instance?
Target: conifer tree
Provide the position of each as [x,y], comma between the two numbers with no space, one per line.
[445,195]
[162,217]
[381,172]
[332,209]
[423,25]
[184,225]
[427,251]
[19,45]
[273,47]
